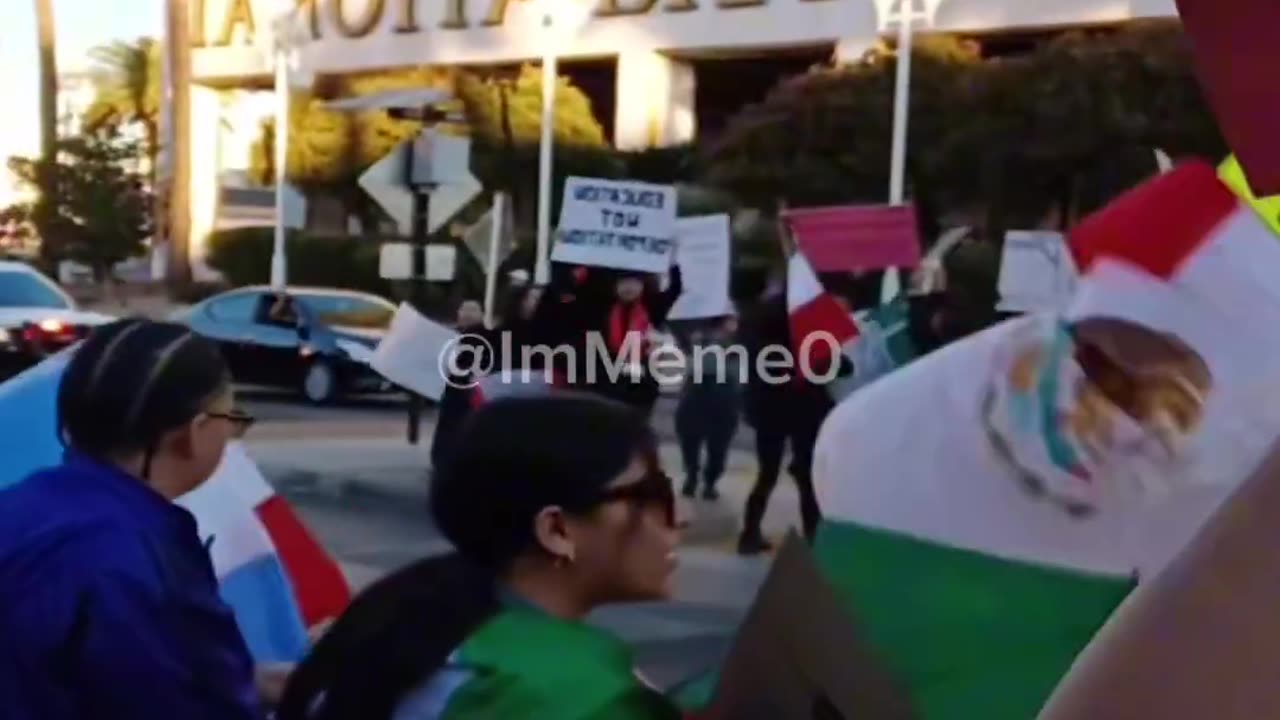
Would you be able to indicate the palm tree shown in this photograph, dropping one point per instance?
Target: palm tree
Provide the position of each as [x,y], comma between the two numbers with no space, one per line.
[47,39]
[127,79]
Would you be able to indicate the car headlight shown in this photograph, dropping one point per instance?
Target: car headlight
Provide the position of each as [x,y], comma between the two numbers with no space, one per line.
[359,352]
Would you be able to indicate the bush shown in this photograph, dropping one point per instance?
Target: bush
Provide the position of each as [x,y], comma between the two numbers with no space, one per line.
[243,256]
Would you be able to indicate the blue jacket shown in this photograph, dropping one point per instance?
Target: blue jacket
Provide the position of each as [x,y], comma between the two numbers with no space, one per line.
[109,607]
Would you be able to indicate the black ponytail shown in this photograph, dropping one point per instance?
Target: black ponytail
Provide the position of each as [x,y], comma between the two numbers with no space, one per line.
[395,635]
[512,458]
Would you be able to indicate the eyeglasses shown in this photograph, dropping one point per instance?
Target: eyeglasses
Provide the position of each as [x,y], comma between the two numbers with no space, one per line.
[240,421]
[655,490]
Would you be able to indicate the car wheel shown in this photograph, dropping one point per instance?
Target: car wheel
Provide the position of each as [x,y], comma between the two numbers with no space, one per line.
[320,383]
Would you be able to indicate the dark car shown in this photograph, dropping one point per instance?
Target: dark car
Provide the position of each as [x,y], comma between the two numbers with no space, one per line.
[316,340]
[37,318]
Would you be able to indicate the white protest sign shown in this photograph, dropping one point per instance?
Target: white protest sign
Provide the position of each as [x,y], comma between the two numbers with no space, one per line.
[410,354]
[1037,272]
[617,224]
[702,252]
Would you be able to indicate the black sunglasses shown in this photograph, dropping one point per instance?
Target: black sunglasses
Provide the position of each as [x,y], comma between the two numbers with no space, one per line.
[240,421]
[655,490]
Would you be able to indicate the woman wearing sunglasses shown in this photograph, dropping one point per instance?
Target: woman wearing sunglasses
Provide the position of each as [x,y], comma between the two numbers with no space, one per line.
[556,506]
[108,603]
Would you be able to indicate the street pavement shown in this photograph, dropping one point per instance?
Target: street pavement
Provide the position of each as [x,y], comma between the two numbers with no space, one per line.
[362,489]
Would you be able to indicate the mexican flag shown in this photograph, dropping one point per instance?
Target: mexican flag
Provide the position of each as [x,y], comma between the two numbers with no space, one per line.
[972,586]
[502,671]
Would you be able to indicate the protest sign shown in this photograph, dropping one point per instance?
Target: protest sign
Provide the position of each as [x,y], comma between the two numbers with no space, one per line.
[1037,272]
[798,654]
[410,354]
[702,251]
[1236,53]
[856,237]
[617,224]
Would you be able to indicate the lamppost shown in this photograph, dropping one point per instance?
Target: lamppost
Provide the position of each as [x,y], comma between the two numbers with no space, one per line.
[906,17]
[559,21]
[282,44]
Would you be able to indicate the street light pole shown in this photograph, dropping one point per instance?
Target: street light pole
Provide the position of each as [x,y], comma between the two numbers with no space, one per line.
[549,71]
[901,106]
[278,258]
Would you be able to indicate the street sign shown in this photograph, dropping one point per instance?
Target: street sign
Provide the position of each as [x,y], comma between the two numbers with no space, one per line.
[395,261]
[478,237]
[440,262]
[384,181]
[445,167]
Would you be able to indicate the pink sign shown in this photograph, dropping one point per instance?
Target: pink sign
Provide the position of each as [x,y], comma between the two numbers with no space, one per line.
[856,237]
[1236,49]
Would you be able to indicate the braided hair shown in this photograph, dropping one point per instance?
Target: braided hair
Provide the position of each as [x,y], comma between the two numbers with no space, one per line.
[131,382]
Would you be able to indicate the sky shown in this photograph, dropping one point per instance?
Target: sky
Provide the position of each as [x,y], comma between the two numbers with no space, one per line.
[81,24]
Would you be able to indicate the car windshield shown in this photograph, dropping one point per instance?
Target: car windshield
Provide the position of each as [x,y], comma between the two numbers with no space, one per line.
[24,289]
[350,311]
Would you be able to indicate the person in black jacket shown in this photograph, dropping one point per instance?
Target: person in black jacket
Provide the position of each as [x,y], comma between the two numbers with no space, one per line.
[625,326]
[781,413]
[475,347]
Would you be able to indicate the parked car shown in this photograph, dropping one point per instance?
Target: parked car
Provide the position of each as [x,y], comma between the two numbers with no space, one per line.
[316,340]
[37,318]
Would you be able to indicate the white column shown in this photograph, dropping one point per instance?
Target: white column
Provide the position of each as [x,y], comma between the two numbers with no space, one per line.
[278,262]
[655,101]
[206,131]
[542,264]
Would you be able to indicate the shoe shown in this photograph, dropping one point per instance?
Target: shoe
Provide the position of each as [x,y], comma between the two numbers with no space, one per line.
[690,489]
[710,493]
[753,545]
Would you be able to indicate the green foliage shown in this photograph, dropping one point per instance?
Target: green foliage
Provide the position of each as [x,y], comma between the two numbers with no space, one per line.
[243,257]
[331,148]
[127,78]
[93,207]
[1062,128]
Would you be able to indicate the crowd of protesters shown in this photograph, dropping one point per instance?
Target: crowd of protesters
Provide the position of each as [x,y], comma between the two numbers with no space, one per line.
[555,505]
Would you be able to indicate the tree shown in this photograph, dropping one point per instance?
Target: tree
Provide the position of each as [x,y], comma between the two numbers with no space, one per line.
[1063,128]
[99,210]
[127,79]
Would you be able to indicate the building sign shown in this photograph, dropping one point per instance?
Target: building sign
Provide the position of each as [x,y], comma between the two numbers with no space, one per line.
[357,35]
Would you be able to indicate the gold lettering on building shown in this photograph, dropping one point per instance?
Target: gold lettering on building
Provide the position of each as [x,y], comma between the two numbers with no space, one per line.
[497,12]
[615,8]
[681,6]
[455,15]
[407,21]
[728,4]
[239,12]
[360,26]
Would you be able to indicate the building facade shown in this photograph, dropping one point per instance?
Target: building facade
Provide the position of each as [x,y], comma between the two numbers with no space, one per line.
[655,53]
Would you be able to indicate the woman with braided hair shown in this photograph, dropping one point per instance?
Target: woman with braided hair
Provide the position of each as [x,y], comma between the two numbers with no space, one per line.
[108,602]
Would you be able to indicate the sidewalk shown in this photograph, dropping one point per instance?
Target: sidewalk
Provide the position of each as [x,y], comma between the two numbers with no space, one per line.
[387,467]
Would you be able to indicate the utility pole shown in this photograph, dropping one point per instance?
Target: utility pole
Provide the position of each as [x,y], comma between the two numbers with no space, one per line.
[178,51]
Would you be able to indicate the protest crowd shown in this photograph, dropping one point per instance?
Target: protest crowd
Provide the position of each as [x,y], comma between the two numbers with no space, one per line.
[1059,506]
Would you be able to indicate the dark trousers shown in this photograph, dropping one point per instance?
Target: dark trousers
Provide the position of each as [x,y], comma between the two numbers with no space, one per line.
[704,424]
[772,436]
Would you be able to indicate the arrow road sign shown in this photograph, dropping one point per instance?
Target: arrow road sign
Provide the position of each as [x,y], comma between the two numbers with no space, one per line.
[442,161]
